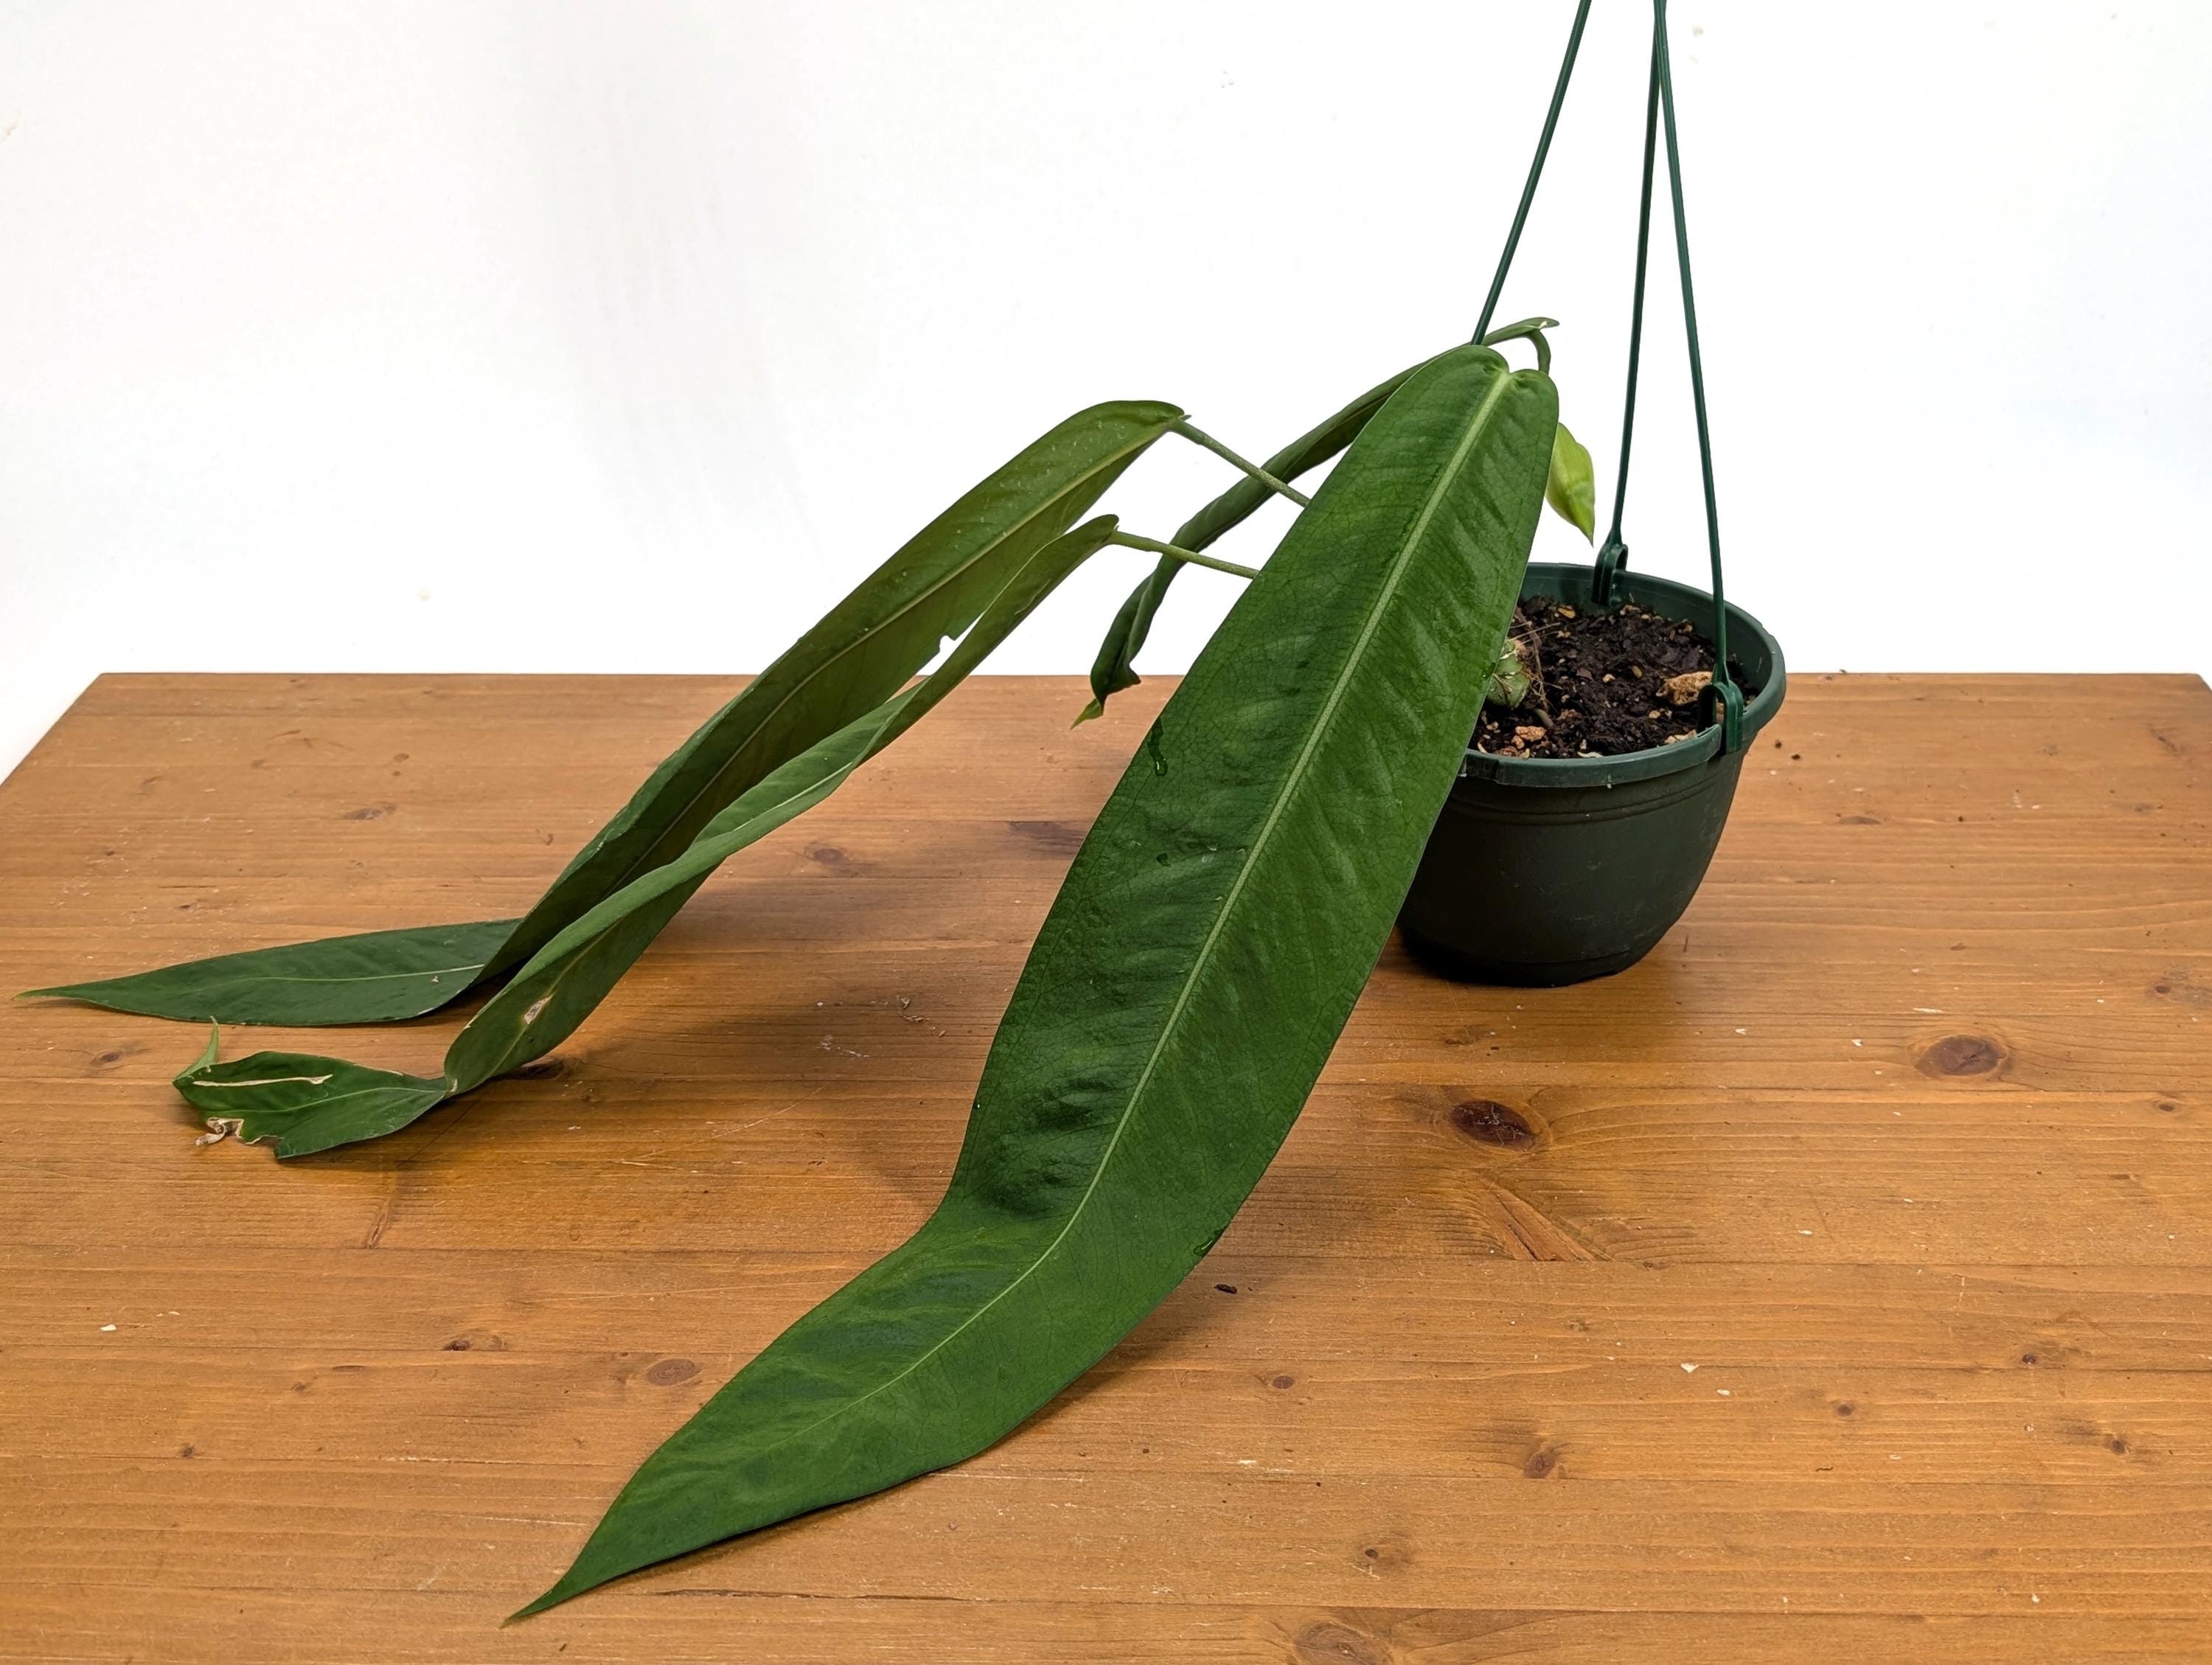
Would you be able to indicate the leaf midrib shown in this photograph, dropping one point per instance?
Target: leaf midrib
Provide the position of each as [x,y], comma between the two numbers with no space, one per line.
[1499,383]
[366,977]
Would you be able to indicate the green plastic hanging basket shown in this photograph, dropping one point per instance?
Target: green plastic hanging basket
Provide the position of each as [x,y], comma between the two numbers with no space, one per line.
[1547,870]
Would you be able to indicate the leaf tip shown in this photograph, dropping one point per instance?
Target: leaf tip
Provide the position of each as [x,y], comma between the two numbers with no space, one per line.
[89,993]
[561,1591]
[1089,713]
[205,1061]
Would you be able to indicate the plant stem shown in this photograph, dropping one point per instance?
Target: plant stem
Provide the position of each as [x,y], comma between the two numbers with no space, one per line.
[1532,328]
[1130,540]
[1253,469]
[1535,666]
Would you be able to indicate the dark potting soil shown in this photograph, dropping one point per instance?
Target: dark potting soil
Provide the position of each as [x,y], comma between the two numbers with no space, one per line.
[1611,682]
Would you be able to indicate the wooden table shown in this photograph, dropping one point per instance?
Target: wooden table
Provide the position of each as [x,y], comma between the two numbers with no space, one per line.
[1838,1281]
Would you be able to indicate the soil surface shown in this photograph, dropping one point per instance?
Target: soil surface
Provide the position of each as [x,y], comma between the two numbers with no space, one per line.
[1608,682]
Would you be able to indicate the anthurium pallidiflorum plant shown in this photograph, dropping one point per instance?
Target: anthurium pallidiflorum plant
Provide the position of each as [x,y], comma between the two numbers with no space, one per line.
[1183,992]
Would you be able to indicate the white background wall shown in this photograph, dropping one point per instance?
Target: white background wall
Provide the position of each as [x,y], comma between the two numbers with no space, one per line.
[624,336]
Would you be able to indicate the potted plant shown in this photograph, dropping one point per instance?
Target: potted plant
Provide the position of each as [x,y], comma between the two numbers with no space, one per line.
[1183,992]
[1553,869]
[1547,870]
[1557,863]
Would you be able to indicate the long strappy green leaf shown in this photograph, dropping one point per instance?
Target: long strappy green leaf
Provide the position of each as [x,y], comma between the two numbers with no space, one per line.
[308,1103]
[860,654]
[1182,994]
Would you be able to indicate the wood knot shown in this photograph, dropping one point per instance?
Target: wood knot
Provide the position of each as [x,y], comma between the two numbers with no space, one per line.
[828,855]
[1962,1055]
[669,1371]
[2182,988]
[1332,1643]
[369,813]
[1487,1121]
[1282,1382]
[1543,1462]
[1388,1553]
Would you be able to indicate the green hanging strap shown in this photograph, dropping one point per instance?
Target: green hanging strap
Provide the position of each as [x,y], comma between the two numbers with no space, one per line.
[1725,699]
[1535,170]
[1614,553]
[1723,692]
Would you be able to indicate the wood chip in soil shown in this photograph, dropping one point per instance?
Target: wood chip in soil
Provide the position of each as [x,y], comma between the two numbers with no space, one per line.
[1606,683]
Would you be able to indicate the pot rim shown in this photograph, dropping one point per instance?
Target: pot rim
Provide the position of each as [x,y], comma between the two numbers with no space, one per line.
[1745,633]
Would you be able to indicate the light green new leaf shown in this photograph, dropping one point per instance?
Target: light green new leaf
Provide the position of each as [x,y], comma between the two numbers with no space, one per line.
[1113,670]
[860,654]
[311,1105]
[1182,997]
[1572,486]
[1510,678]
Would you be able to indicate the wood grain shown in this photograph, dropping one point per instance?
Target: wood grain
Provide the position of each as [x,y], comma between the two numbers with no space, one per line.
[1839,1278]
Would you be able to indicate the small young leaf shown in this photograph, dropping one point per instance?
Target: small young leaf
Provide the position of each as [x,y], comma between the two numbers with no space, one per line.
[1511,679]
[1571,488]
[1185,989]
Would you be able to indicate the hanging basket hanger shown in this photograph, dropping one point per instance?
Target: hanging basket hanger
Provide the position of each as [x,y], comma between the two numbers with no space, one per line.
[1724,694]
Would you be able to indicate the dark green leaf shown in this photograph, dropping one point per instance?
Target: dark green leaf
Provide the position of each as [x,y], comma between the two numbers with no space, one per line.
[1182,997]
[860,654]
[304,1102]
[1113,671]
[312,1103]
[374,978]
